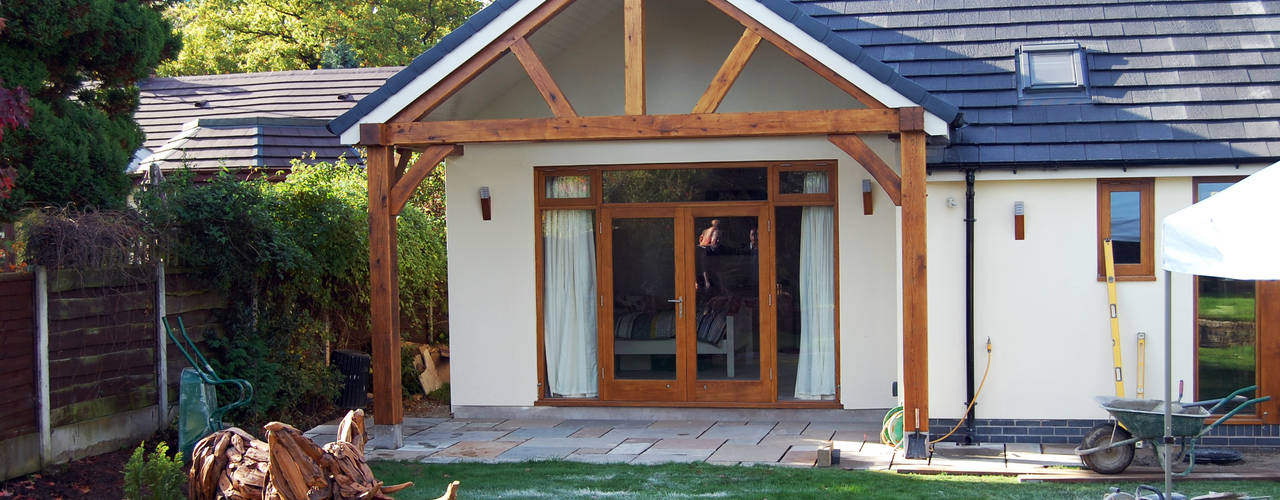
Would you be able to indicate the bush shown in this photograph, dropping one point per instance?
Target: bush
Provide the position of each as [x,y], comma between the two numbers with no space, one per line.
[292,259]
[157,477]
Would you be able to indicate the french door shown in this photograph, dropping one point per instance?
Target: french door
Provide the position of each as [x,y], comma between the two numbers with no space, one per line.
[683,310]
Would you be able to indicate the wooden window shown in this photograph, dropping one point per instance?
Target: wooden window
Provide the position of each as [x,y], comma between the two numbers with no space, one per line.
[1126,216]
[804,183]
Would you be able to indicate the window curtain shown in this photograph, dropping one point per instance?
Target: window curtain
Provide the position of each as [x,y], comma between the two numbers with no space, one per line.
[816,374]
[569,312]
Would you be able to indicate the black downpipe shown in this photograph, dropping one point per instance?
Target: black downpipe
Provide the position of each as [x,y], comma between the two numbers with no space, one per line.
[970,432]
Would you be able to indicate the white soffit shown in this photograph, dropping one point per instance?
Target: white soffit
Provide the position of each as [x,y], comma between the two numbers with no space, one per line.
[933,125]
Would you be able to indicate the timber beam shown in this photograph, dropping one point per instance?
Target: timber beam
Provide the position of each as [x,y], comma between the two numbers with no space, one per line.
[729,72]
[633,56]
[384,292]
[607,128]
[883,174]
[541,78]
[406,184]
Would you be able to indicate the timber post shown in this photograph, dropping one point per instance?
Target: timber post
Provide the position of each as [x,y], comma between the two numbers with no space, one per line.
[915,293]
[384,296]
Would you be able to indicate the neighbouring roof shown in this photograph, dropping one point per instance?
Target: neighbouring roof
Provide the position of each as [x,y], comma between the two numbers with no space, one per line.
[239,119]
[1170,81]
[247,142]
[908,89]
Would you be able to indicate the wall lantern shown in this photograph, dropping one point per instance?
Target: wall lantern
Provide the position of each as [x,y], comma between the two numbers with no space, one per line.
[867,203]
[486,212]
[1019,225]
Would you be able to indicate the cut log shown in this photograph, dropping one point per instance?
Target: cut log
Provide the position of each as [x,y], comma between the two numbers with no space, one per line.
[231,464]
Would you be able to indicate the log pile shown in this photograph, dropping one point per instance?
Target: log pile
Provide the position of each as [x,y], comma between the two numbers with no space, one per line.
[432,365]
[231,464]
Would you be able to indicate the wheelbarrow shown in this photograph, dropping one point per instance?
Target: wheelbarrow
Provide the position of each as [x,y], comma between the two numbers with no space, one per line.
[1109,448]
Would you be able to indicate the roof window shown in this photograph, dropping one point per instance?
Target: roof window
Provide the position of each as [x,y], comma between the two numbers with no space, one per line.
[1052,71]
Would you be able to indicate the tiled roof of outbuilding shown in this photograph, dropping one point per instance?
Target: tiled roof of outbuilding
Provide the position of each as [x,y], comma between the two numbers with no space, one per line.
[169,103]
[237,143]
[1171,81]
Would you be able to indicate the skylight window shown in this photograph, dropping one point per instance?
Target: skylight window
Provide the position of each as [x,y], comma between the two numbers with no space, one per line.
[1052,71]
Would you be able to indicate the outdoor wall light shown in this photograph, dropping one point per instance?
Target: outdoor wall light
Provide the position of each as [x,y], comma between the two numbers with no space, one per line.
[1019,225]
[486,212]
[867,203]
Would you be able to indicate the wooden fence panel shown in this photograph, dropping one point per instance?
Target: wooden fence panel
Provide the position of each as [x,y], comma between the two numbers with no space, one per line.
[101,344]
[187,296]
[18,396]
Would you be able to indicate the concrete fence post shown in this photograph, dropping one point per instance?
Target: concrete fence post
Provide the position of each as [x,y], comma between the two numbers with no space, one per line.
[42,363]
[162,351]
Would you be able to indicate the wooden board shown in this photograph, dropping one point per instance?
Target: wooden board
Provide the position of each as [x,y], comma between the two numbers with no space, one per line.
[601,128]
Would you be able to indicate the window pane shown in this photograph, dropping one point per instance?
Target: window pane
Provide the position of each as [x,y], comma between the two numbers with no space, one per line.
[1052,69]
[686,184]
[793,182]
[1207,189]
[569,302]
[727,302]
[806,302]
[644,318]
[1126,226]
[1226,329]
[569,186]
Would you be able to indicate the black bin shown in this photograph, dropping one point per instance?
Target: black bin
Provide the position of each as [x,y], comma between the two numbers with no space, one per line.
[354,367]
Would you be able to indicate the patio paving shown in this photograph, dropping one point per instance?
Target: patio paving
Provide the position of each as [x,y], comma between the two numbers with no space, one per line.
[854,445]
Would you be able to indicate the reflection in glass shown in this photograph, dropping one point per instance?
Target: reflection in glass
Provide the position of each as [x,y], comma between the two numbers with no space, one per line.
[569,304]
[644,316]
[569,186]
[727,301]
[793,182]
[805,256]
[1126,226]
[1226,323]
[685,184]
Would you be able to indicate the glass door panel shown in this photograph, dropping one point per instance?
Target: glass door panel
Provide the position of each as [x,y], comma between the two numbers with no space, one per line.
[644,310]
[1226,327]
[725,334]
[644,314]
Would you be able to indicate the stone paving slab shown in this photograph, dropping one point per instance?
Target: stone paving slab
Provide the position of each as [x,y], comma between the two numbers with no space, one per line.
[569,442]
[748,453]
[743,433]
[800,458]
[652,456]
[475,449]
[592,458]
[514,424]
[633,447]
[522,433]
[794,441]
[593,431]
[691,445]
[525,452]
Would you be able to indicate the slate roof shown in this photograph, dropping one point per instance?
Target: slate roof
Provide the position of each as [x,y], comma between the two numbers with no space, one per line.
[171,107]
[1174,81]
[784,8]
[211,143]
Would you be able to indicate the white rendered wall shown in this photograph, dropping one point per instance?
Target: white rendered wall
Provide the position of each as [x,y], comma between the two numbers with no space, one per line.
[492,309]
[1040,301]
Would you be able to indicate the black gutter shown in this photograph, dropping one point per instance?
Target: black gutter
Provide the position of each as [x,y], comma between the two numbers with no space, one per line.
[970,433]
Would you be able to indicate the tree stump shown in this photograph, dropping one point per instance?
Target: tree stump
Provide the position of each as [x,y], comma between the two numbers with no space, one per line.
[231,464]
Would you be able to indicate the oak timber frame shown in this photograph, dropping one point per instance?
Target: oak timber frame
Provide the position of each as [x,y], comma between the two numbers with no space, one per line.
[392,181]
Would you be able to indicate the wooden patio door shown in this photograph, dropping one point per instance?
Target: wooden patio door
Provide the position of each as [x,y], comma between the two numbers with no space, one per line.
[682,306]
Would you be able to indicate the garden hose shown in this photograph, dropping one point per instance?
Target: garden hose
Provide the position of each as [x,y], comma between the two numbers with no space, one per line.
[975,396]
[891,426]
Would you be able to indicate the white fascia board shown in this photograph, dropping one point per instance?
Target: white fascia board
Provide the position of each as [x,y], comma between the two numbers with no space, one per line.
[836,62]
[442,68]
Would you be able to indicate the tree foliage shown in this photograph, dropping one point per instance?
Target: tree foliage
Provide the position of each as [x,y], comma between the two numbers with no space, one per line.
[78,62]
[232,36]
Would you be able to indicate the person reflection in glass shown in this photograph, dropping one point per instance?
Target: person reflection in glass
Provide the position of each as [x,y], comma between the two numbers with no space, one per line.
[709,243]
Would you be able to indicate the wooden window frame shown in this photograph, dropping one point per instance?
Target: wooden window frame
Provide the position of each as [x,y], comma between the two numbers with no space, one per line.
[595,203]
[1145,269]
[1266,334]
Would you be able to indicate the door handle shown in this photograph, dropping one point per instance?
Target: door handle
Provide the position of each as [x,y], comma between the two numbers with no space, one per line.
[679,302]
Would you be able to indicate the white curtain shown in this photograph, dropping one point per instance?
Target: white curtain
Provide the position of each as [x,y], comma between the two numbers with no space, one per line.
[816,373]
[569,312]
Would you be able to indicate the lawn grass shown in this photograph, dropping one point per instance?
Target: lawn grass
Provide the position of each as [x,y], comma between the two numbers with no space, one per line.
[1227,308]
[564,480]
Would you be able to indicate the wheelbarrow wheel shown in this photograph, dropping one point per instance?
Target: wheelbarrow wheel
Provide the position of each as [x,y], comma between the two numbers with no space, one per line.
[1112,460]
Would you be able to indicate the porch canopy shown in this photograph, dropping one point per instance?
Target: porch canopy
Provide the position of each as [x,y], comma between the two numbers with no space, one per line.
[390,123]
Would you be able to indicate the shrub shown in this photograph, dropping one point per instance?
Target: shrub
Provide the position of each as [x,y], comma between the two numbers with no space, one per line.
[157,477]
